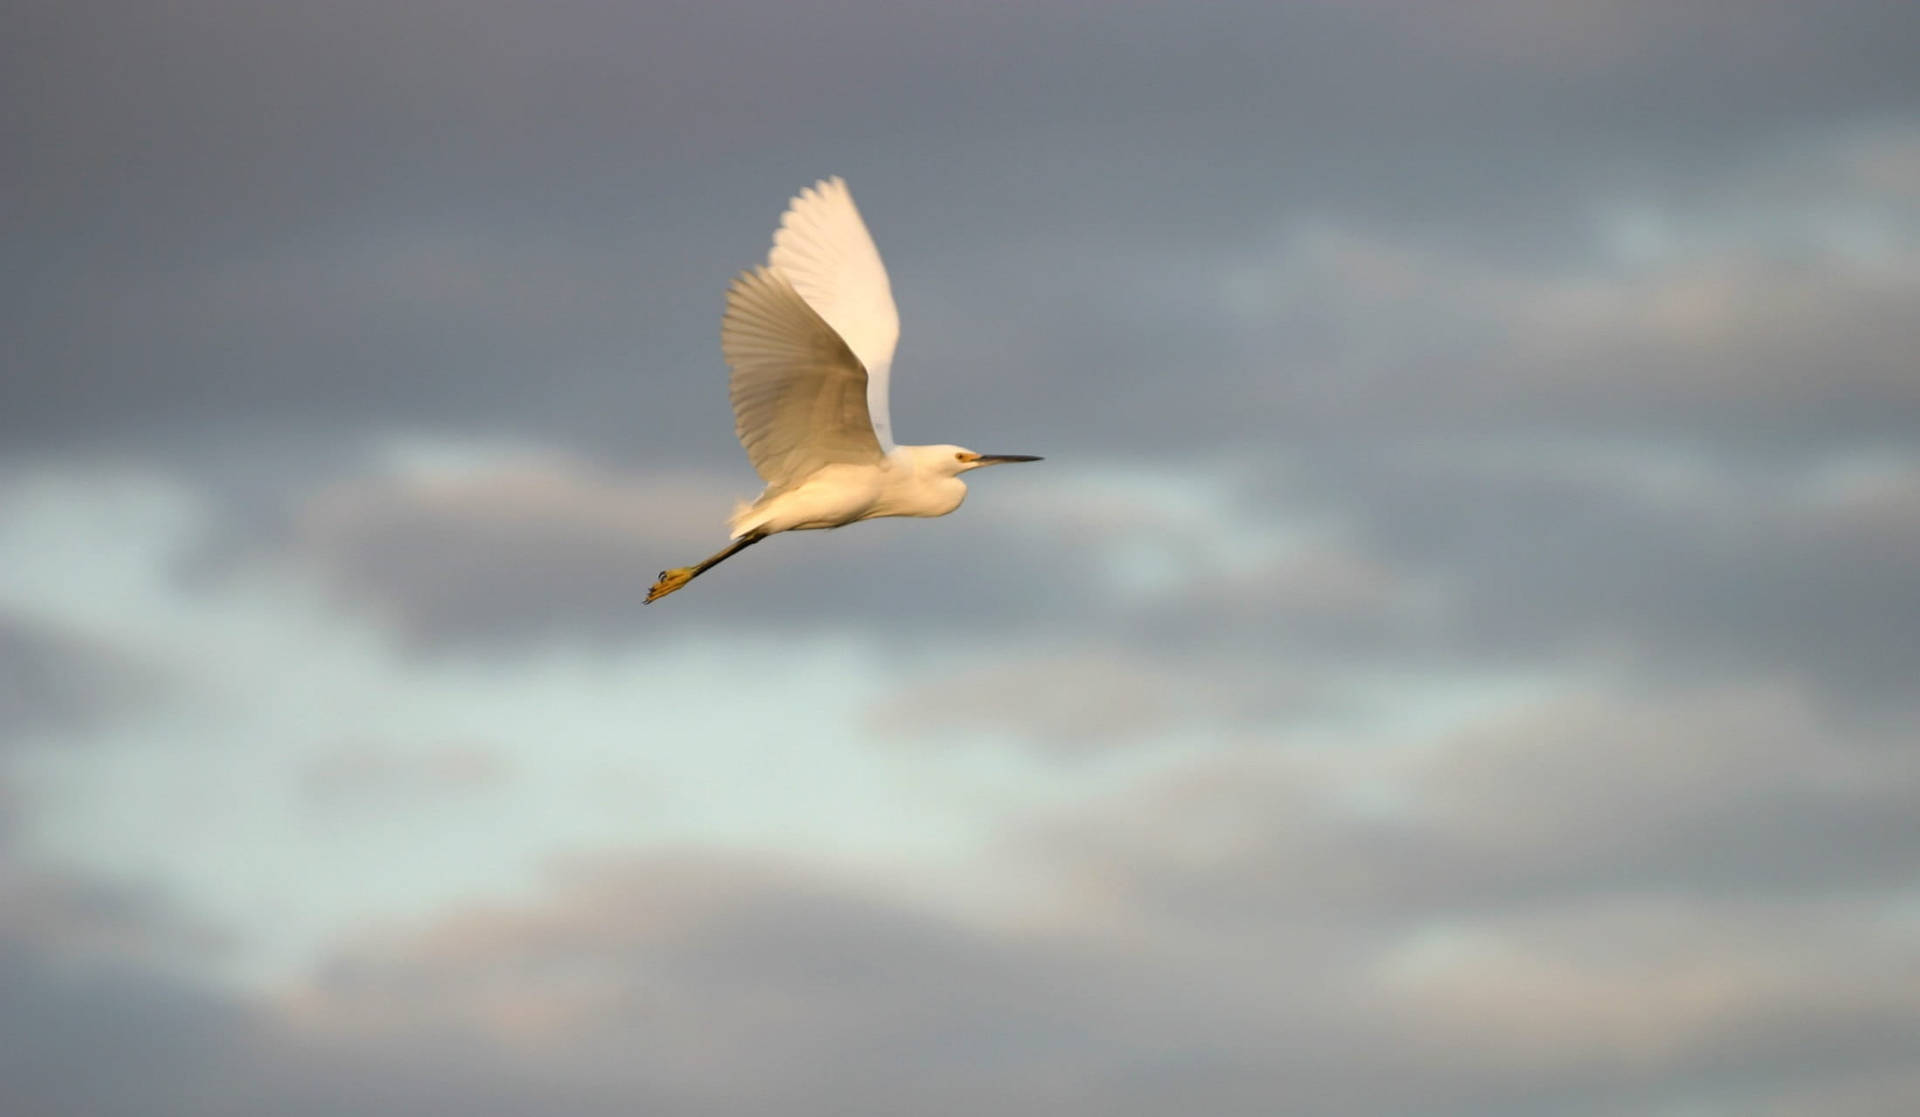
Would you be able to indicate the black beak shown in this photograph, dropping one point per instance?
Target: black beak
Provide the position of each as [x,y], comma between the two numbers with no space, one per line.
[1003,459]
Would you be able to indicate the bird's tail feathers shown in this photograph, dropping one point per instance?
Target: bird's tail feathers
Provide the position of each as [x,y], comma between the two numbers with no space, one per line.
[741,522]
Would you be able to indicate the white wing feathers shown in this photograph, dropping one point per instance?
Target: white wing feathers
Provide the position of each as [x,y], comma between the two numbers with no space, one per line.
[824,250]
[799,394]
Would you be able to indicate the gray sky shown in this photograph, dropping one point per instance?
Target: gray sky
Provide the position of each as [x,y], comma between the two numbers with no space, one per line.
[1456,658]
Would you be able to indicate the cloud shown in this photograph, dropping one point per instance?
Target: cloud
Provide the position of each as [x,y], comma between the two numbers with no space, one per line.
[1751,339]
[669,971]
[1648,1000]
[56,681]
[1307,610]
[82,922]
[1635,987]
[90,966]
[1892,1092]
[1465,925]
[1079,701]
[527,226]
[354,776]
[1570,1005]
[1743,793]
[530,544]
[164,1041]
[1770,309]
[674,970]
[1662,561]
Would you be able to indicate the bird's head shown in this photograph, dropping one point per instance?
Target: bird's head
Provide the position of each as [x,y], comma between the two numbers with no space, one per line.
[951,461]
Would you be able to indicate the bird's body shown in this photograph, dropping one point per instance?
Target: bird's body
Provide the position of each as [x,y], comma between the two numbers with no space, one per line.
[810,337]
[909,481]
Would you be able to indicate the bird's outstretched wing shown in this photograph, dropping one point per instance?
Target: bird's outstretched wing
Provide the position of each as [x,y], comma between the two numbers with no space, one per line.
[825,251]
[799,393]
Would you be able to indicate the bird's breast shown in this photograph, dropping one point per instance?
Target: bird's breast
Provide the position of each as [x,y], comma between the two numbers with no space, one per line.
[908,493]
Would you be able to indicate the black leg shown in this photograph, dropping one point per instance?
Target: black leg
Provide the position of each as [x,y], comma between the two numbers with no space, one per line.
[731,550]
[671,580]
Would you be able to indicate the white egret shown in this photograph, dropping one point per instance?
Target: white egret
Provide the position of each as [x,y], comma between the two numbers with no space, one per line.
[810,338]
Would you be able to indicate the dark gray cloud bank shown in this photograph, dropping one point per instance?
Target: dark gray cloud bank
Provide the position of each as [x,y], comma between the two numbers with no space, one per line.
[1563,342]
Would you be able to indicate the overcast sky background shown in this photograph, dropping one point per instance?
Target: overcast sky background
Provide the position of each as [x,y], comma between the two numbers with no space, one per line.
[1458,656]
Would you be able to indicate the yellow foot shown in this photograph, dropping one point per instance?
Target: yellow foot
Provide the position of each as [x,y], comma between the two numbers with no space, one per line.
[670,580]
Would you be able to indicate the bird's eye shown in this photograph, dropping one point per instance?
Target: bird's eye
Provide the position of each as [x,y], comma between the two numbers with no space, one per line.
[959,457]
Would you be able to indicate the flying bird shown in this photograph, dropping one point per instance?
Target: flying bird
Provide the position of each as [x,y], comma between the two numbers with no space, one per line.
[810,339]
